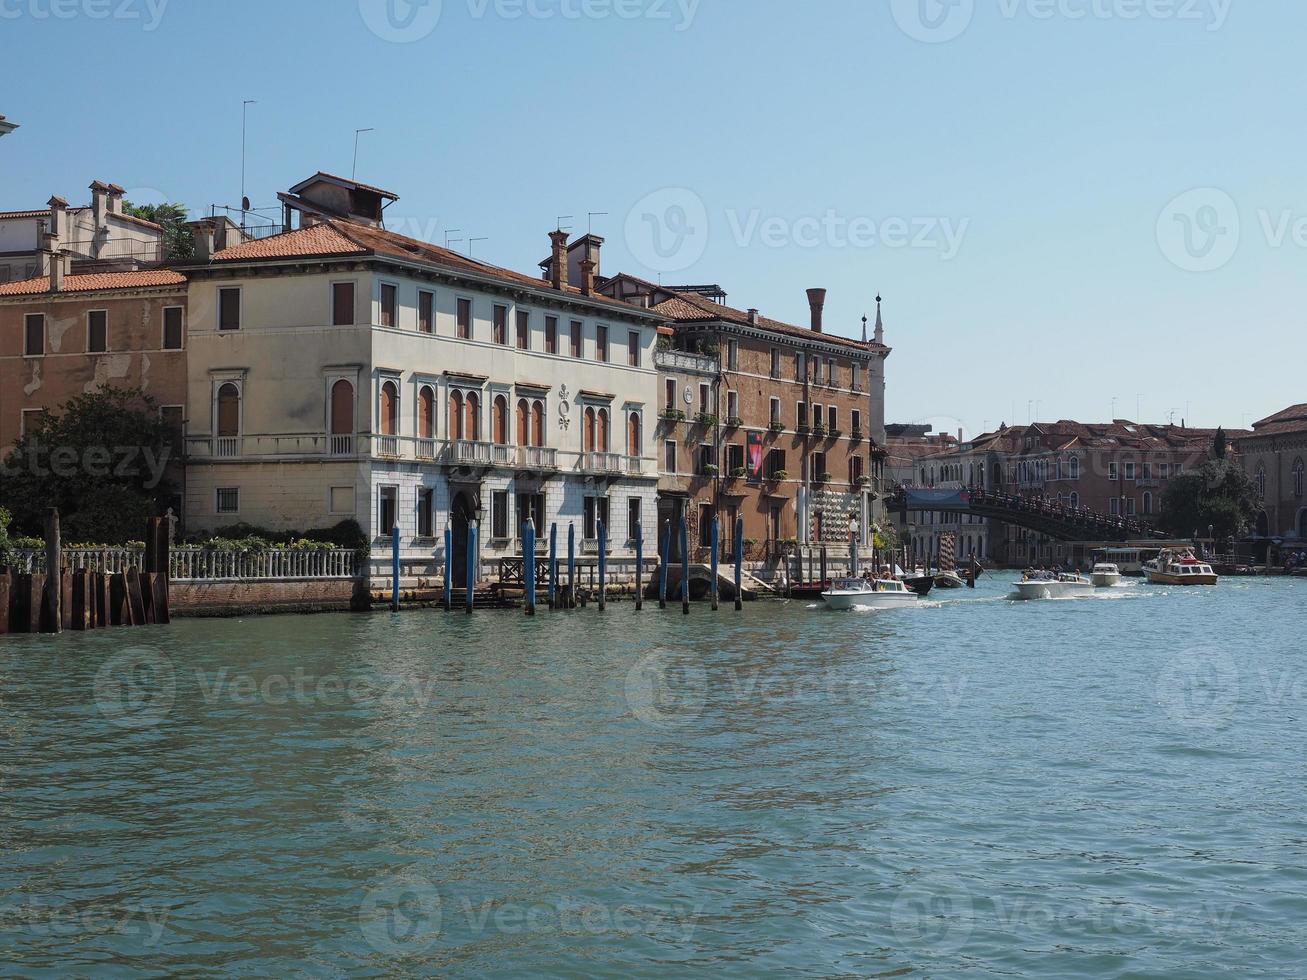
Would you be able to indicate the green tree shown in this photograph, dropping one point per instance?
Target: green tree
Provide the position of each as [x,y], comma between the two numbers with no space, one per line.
[1218,495]
[6,547]
[1221,446]
[178,244]
[101,460]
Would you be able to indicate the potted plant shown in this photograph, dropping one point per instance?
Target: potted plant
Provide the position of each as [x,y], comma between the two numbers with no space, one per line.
[819,430]
[672,415]
[863,481]
[779,476]
[711,470]
[802,430]
[776,427]
[706,418]
[739,473]
[824,478]
[734,422]
[856,435]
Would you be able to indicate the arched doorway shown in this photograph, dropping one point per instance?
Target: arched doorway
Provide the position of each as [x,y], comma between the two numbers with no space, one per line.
[342,418]
[1263,525]
[462,512]
[1302,524]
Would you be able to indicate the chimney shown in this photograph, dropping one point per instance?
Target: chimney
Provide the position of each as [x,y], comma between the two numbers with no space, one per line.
[558,259]
[817,302]
[54,262]
[753,318]
[58,217]
[587,277]
[202,232]
[99,202]
[116,194]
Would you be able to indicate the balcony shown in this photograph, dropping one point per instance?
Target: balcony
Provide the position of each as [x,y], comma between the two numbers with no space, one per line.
[426,448]
[226,447]
[388,446]
[341,445]
[467,453]
[675,360]
[606,463]
[537,458]
[634,466]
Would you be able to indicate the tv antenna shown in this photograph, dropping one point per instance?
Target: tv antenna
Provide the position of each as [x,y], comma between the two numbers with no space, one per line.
[354,173]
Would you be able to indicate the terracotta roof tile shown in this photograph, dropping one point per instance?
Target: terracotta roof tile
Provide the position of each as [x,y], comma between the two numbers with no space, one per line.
[691,308]
[43,213]
[95,282]
[321,239]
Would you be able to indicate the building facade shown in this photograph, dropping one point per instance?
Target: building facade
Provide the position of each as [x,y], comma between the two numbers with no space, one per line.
[1274,455]
[763,420]
[339,371]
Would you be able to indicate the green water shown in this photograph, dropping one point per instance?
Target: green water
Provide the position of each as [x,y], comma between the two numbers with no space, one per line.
[1107,787]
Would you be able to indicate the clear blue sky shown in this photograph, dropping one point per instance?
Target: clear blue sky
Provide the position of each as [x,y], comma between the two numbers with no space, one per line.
[1051,144]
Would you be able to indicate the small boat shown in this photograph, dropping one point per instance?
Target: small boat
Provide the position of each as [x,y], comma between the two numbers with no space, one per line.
[920,584]
[1105,575]
[1046,585]
[950,580]
[1179,567]
[858,593]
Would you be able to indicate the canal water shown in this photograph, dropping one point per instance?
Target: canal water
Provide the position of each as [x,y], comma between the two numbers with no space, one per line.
[1109,787]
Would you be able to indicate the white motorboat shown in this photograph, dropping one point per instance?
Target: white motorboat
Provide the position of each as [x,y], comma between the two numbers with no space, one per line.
[857,593]
[1045,585]
[1105,575]
[1179,567]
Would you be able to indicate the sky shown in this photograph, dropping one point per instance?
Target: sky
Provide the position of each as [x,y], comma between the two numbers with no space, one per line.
[1076,209]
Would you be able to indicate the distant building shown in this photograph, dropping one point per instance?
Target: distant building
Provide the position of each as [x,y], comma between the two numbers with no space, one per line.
[1273,455]
[96,237]
[915,460]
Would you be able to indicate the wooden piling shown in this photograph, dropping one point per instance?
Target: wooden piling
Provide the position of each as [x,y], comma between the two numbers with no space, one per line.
[571,566]
[639,566]
[394,568]
[685,566]
[51,618]
[714,543]
[471,565]
[135,600]
[823,567]
[603,566]
[449,569]
[553,565]
[664,556]
[529,564]
[6,585]
[78,621]
[739,564]
[120,610]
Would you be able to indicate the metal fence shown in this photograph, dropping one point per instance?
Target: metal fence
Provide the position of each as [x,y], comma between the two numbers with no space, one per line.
[198,565]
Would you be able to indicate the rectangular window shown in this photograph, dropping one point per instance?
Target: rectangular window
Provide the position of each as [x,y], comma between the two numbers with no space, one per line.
[499,515]
[671,393]
[576,338]
[775,363]
[426,512]
[857,421]
[426,311]
[341,500]
[342,304]
[818,416]
[734,458]
[97,331]
[705,397]
[855,469]
[1111,470]
[596,510]
[523,330]
[1165,471]
[389,305]
[669,455]
[27,421]
[801,416]
[1129,471]
[1115,506]
[500,323]
[228,500]
[798,367]
[1148,471]
[832,373]
[531,505]
[775,462]
[775,411]
[551,335]
[229,308]
[464,319]
[633,349]
[733,355]
[388,511]
[853,376]
[633,522]
[816,370]
[601,343]
[1130,506]
[706,459]
[819,466]
[172,328]
[34,335]
[833,416]
[705,525]
[733,404]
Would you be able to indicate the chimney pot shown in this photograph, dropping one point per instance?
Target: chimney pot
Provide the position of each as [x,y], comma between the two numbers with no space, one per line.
[558,259]
[753,317]
[202,232]
[587,277]
[817,303]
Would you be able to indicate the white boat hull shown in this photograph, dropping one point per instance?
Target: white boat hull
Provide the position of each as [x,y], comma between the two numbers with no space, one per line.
[1106,580]
[869,600]
[1054,590]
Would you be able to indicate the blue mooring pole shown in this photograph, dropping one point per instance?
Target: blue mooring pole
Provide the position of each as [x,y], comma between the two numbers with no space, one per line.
[716,541]
[664,556]
[571,566]
[449,569]
[471,564]
[394,568]
[685,566]
[553,566]
[603,567]
[529,565]
[739,563]
[639,566]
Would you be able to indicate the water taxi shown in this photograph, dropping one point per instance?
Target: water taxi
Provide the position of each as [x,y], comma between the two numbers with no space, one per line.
[857,593]
[1105,575]
[1046,585]
[1179,567]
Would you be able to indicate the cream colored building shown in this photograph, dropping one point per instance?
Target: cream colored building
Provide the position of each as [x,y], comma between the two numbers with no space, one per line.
[340,371]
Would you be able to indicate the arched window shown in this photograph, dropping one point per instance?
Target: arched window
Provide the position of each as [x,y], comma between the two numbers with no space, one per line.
[472,426]
[456,415]
[1075,501]
[389,409]
[523,423]
[499,421]
[1148,502]
[603,433]
[537,423]
[229,410]
[1260,480]
[1075,467]
[1297,478]
[588,433]
[633,446]
[342,408]
[426,413]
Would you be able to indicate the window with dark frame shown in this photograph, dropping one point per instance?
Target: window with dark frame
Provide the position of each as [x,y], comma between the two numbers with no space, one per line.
[342,304]
[97,331]
[387,511]
[633,520]
[228,500]
[633,349]
[601,343]
[576,338]
[229,308]
[426,512]
[500,322]
[389,305]
[523,330]
[551,335]
[426,311]
[172,328]
[34,335]
[499,515]
[775,462]
[669,455]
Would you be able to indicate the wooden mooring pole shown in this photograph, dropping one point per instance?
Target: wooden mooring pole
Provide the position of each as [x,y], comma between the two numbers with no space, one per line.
[394,568]
[603,566]
[449,569]
[739,564]
[471,565]
[685,566]
[571,566]
[51,618]
[553,565]
[664,556]
[714,543]
[639,566]
[529,565]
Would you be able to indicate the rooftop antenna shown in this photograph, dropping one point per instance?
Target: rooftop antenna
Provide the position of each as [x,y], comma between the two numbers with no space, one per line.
[1115,399]
[449,239]
[590,220]
[353,174]
[561,219]
[245,201]
[1139,413]
[470,243]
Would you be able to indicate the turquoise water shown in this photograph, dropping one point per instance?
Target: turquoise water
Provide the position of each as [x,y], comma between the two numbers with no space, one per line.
[1110,787]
